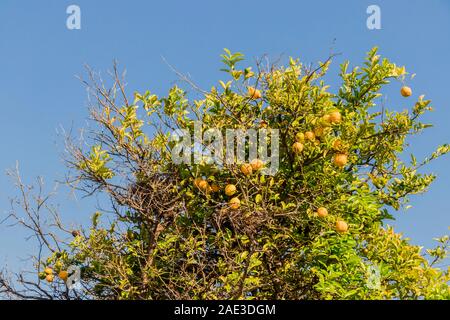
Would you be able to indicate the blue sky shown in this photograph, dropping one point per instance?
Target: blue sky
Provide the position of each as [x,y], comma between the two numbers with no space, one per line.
[40,57]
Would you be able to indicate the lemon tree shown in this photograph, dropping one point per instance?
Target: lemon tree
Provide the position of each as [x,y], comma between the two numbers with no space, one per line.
[313,230]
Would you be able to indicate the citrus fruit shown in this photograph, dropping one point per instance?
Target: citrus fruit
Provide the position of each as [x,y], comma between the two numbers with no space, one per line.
[235,203]
[297,147]
[254,93]
[341,226]
[230,189]
[405,91]
[322,212]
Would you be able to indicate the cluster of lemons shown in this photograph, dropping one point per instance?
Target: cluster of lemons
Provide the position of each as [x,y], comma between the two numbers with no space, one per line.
[247,169]
[49,274]
[341,226]
[234,203]
[340,158]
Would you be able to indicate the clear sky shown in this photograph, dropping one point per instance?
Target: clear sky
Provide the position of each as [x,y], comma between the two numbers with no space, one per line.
[40,57]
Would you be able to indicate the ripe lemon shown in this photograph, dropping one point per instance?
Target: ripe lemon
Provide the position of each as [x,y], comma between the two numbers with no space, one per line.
[254,93]
[48,270]
[335,117]
[341,226]
[235,203]
[405,91]
[326,119]
[197,181]
[310,136]
[63,275]
[322,212]
[246,169]
[256,164]
[230,189]
[340,159]
[203,185]
[49,278]
[297,147]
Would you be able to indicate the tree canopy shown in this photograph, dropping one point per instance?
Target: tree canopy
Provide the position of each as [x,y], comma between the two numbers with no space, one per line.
[315,229]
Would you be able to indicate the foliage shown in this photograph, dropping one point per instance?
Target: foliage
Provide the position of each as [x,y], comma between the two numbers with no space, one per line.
[168,238]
